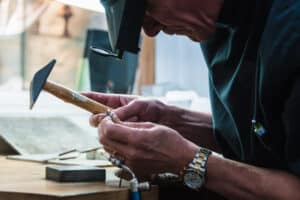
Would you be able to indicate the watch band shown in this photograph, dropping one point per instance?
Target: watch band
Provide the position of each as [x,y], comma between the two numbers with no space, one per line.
[200,160]
[198,166]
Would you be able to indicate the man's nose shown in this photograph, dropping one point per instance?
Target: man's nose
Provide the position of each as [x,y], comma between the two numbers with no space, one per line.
[151,26]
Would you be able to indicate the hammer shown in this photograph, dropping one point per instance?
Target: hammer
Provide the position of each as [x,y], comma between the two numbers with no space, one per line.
[40,82]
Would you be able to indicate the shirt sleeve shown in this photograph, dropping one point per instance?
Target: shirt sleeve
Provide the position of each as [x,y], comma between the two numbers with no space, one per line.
[291,120]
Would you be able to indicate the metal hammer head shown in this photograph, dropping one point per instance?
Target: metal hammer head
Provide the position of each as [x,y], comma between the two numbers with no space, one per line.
[38,82]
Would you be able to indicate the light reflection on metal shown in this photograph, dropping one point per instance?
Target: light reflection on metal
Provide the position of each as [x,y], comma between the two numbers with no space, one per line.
[107,53]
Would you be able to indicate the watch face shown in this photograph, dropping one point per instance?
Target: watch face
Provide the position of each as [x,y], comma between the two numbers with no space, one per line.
[193,180]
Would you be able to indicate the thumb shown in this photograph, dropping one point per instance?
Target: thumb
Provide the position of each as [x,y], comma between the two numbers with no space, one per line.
[129,111]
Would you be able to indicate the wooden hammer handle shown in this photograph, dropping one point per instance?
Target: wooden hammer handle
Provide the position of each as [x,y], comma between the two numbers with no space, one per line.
[75,98]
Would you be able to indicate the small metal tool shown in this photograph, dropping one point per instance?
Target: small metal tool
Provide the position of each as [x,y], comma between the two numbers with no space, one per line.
[40,82]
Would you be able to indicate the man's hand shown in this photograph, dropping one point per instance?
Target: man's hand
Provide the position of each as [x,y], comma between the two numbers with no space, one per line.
[147,148]
[194,126]
[128,108]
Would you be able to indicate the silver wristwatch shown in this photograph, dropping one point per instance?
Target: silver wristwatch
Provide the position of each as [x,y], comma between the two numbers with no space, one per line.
[194,174]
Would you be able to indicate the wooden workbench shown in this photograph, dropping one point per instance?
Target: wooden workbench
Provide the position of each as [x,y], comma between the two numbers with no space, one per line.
[25,181]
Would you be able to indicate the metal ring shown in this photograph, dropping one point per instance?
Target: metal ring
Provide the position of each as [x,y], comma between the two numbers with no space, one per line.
[110,114]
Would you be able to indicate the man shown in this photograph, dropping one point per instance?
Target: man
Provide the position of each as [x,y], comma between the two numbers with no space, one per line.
[252,49]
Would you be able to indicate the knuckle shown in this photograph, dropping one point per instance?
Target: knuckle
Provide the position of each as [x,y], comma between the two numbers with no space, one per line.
[138,102]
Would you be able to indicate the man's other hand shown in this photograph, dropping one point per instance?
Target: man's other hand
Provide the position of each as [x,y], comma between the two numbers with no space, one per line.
[147,148]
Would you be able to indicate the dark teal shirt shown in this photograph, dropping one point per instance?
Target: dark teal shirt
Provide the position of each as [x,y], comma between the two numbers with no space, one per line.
[256,50]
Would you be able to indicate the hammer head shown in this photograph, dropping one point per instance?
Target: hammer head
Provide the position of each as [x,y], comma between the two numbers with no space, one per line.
[38,82]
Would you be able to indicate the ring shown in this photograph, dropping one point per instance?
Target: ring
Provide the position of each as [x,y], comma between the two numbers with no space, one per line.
[113,116]
[110,114]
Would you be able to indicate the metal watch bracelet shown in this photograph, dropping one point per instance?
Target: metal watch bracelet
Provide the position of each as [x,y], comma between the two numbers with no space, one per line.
[194,174]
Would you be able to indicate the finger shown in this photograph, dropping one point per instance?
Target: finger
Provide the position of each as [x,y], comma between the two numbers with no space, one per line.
[96,119]
[132,119]
[122,151]
[111,100]
[144,125]
[133,158]
[120,132]
[113,153]
[108,150]
[131,110]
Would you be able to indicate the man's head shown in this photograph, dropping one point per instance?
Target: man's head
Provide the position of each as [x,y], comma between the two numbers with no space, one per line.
[193,18]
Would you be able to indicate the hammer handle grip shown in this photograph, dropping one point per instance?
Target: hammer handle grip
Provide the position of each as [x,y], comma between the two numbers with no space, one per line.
[75,98]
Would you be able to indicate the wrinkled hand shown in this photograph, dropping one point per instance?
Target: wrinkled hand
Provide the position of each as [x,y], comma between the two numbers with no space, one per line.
[194,126]
[128,108]
[147,148]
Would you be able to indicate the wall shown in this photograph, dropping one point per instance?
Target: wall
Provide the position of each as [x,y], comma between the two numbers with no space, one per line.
[180,61]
